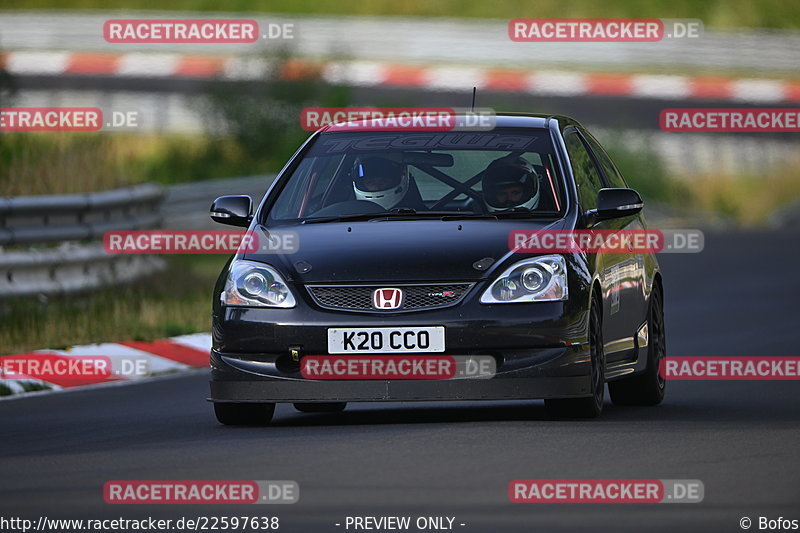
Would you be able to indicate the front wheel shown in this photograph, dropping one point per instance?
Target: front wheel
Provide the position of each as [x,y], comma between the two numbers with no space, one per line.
[244,414]
[591,406]
[648,387]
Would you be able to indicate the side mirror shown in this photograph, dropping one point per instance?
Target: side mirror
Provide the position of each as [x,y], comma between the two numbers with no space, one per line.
[232,210]
[616,203]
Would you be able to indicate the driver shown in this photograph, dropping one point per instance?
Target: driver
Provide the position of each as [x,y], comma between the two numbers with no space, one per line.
[510,182]
[380,180]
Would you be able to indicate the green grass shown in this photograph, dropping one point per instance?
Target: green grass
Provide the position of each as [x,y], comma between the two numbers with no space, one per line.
[718,13]
[750,199]
[27,386]
[33,386]
[175,302]
[67,162]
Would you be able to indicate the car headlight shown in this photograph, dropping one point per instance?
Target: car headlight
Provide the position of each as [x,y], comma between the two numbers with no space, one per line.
[541,279]
[256,284]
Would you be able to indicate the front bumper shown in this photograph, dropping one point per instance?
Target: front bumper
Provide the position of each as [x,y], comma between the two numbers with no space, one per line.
[540,351]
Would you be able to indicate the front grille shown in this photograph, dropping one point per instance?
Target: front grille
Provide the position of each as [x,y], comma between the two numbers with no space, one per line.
[416,297]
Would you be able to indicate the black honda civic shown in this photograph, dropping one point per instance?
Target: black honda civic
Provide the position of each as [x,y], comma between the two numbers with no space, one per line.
[384,270]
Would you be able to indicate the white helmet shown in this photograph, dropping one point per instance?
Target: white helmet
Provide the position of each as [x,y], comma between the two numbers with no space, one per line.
[380,180]
[510,182]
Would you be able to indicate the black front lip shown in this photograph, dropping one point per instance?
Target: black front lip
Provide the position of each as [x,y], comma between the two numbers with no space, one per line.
[399,391]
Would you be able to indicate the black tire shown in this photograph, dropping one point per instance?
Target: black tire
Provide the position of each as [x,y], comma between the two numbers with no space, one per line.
[648,387]
[328,407]
[244,414]
[591,406]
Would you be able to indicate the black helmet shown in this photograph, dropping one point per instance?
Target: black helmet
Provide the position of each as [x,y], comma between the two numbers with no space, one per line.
[505,173]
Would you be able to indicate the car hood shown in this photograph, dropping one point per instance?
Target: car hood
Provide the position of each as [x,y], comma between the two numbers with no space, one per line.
[397,250]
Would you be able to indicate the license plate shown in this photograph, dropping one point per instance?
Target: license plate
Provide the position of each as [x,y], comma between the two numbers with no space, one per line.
[385,340]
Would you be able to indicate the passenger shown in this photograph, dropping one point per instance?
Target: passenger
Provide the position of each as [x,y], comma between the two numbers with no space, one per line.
[510,182]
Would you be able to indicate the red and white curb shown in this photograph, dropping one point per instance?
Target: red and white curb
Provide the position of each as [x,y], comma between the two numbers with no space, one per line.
[176,354]
[371,73]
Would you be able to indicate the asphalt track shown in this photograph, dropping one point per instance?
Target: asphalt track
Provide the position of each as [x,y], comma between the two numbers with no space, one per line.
[738,297]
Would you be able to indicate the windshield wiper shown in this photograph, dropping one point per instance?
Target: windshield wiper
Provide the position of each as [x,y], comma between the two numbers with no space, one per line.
[339,218]
[517,213]
[523,213]
[401,212]
[411,214]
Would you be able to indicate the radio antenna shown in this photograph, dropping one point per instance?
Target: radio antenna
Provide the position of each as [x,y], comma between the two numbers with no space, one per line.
[474,90]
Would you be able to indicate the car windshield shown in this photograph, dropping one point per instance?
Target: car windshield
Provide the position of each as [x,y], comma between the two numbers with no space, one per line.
[350,175]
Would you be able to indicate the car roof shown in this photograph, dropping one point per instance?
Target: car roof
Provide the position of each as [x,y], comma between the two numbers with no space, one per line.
[502,120]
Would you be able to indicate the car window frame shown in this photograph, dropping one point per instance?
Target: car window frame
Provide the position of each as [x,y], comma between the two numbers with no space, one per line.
[570,130]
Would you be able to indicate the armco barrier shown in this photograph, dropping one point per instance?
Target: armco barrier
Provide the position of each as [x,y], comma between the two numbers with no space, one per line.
[69,220]
[76,217]
[69,268]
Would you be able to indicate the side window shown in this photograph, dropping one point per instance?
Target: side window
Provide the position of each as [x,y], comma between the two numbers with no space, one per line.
[587,177]
[288,203]
[613,175]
